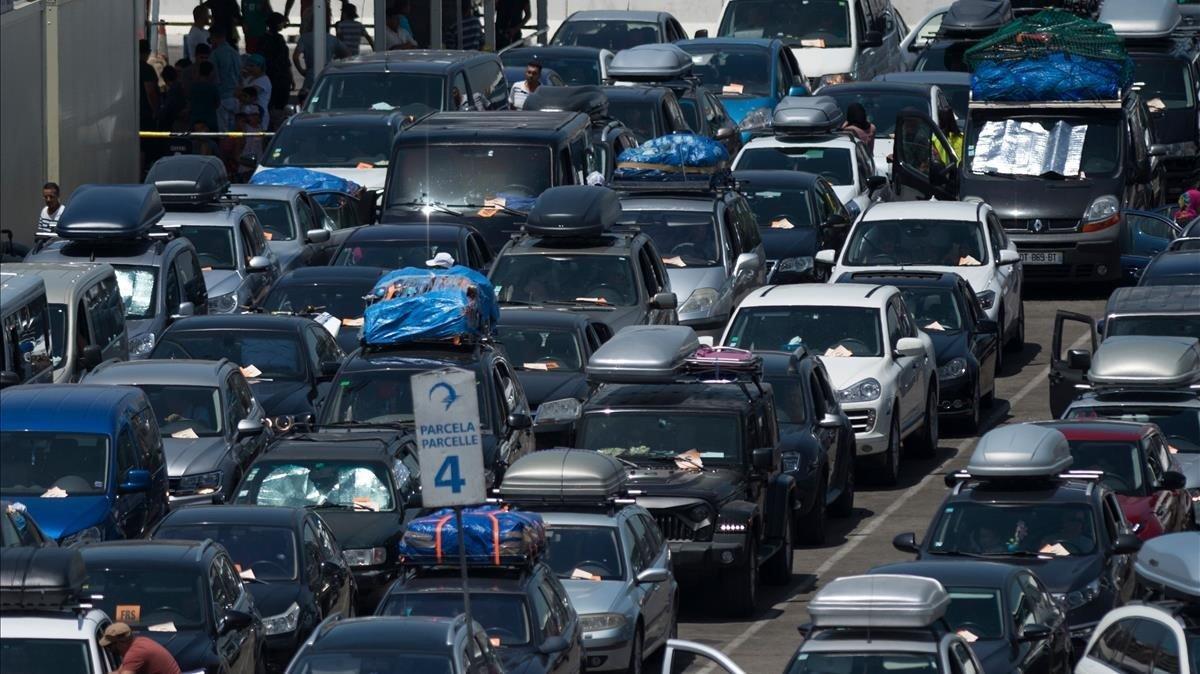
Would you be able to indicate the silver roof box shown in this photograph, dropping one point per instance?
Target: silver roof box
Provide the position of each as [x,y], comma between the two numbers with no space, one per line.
[1171,561]
[643,353]
[563,475]
[650,63]
[879,601]
[1146,361]
[1141,19]
[806,115]
[1020,450]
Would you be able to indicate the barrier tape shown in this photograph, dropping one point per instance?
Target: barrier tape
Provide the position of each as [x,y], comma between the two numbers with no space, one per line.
[204,134]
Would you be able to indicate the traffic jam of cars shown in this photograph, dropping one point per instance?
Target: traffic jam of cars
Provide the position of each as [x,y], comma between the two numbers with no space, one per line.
[545,390]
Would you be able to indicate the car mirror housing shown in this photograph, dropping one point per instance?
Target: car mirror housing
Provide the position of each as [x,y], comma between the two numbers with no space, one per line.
[1174,480]
[249,427]
[235,620]
[910,347]
[876,183]
[136,480]
[1079,359]
[725,133]
[1126,544]
[830,421]
[330,368]
[553,645]
[746,262]
[519,421]
[9,378]
[827,256]
[906,542]
[1034,632]
[185,309]
[317,235]
[872,38]
[1008,257]
[258,263]
[90,357]
[664,301]
[764,458]
[653,575]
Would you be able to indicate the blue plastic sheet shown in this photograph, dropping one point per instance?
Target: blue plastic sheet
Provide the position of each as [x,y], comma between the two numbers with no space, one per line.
[430,305]
[666,157]
[306,179]
[1055,77]
[492,535]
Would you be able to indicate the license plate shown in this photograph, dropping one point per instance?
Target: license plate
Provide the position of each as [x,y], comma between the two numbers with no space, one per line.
[1042,257]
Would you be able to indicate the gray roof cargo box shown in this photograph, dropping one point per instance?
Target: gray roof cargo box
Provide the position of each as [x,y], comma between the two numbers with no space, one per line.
[650,63]
[1171,561]
[975,18]
[577,211]
[563,474]
[643,353]
[1141,19]
[879,601]
[1020,450]
[188,179]
[110,212]
[798,115]
[1146,361]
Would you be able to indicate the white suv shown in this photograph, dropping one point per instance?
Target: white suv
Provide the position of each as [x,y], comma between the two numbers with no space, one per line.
[944,236]
[883,367]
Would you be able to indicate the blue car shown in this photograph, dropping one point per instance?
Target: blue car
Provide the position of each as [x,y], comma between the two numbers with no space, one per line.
[87,461]
[749,76]
[1143,235]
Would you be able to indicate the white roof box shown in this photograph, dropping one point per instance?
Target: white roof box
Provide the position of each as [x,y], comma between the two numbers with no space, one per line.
[1020,450]
[650,63]
[799,115]
[879,601]
[643,353]
[1141,19]
[563,475]
[1171,561]
[1146,361]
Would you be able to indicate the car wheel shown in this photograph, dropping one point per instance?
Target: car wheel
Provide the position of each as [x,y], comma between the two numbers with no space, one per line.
[886,467]
[1018,339]
[636,655]
[844,505]
[924,443]
[741,584]
[810,529]
[778,569]
[972,422]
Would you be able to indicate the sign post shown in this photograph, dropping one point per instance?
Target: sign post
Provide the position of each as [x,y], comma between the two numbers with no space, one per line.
[446,408]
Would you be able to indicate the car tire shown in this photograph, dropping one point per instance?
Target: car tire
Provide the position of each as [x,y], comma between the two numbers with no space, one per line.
[810,530]
[1017,342]
[886,467]
[637,654]
[972,422]
[924,443]
[778,569]
[843,506]
[740,584]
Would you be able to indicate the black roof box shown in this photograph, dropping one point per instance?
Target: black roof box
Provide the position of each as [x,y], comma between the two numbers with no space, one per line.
[580,211]
[975,18]
[110,212]
[40,579]
[588,99]
[189,179]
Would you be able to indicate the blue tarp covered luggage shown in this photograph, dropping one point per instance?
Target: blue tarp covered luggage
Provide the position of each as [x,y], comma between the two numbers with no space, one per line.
[492,536]
[306,179]
[413,304]
[671,157]
[1054,77]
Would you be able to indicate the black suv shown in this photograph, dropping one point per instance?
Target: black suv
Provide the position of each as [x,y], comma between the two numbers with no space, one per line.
[701,438]
[610,137]
[413,81]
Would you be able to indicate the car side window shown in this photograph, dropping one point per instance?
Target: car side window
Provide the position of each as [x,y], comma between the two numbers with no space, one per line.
[1111,644]
[893,324]
[818,397]
[327,347]
[1113,521]
[487,79]
[171,291]
[638,553]
[1138,655]
[514,398]
[995,236]
[105,311]
[1166,660]
[1152,465]
[126,452]
[654,537]
[191,276]
[233,579]
[1043,610]
[646,267]
[329,546]
[147,440]
[1019,604]
[747,225]
[675,117]
[311,550]
[542,612]
[310,345]
[239,404]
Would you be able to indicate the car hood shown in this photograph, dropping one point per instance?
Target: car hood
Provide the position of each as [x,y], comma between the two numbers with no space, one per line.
[355,530]
[1028,198]
[60,517]
[684,280]
[282,397]
[522,660]
[616,317]
[187,456]
[1189,465]
[222,281]
[979,276]
[815,62]
[273,598]
[192,648]
[948,345]
[714,485]
[738,106]
[846,371]
[993,654]
[543,386]
[496,230]
[590,596]
[1062,574]
[785,243]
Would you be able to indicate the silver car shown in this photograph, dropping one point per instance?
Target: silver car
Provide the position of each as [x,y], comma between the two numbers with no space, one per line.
[297,229]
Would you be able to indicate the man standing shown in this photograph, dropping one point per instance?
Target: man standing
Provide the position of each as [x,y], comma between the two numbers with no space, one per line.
[198,34]
[521,90]
[394,35]
[48,219]
[138,655]
[225,61]
[305,51]
[279,65]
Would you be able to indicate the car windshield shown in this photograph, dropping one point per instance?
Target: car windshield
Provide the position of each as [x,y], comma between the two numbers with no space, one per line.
[412,93]
[574,70]
[683,238]
[781,207]
[340,300]
[1044,529]
[45,655]
[882,106]
[732,70]
[146,597]
[935,309]
[377,396]
[613,35]
[1120,462]
[383,661]
[638,114]
[262,552]
[990,142]
[864,663]
[790,403]
[821,329]
[807,23]
[977,610]
[275,354]
[352,485]
[214,246]
[597,280]
[584,553]
[138,287]
[467,176]
[35,463]
[831,163]
[330,146]
[1172,325]
[1181,425]
[504,616]
[275,216]
[185,411]
[541,349]
[932,243]
[391,254]
[1164,83]
[654,436]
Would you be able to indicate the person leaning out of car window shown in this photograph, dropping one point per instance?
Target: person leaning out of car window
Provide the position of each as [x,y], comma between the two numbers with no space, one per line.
[138,655]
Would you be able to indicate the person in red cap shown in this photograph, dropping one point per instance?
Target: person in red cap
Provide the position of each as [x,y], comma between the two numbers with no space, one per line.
[138,655]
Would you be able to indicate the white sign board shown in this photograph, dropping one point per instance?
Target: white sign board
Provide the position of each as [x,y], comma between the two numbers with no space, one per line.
[446,407]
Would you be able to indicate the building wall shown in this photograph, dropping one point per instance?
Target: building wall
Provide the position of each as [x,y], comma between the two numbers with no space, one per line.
[22,119]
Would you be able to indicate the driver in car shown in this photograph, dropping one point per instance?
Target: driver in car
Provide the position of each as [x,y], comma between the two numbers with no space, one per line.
[1072,537]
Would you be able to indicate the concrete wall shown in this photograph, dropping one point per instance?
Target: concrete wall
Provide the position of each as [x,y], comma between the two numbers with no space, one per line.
[22,119]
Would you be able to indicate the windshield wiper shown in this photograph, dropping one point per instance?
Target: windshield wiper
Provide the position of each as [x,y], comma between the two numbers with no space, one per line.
[340,506]
[958,553]
[351,423]
[673,458]
[441,208]
[589,302]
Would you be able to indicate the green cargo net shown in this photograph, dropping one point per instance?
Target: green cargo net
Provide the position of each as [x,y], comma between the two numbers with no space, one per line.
[1051,31]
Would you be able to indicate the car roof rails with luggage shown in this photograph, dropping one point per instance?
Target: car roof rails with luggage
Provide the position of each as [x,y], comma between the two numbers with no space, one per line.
[574,212]
[669,354]
[43,579]
[495,538]
[807,116]
[879,602]
[1171,562]
[650,63]
[975,18]
[1137,20]
[101,213]
[1145,362]
[573,478]
[1020,452]
[189,180]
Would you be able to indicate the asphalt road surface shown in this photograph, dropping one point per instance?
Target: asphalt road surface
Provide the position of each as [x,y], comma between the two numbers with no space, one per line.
[766,642]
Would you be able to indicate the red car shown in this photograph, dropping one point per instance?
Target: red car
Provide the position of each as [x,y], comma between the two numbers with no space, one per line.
[1137,466]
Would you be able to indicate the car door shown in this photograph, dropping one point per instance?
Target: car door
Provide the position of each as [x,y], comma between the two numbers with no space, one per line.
[985,346]
[1008,275]
[1175,513]
[828,436]
[238,644]
[191,276]
[654,598]
[254,244]
[132,508]
[907,369]
[1150,233]
[918,171]
[337,589]
[1068,364]
[310,218]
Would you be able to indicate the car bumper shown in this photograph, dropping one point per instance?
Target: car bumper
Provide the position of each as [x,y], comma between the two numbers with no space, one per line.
[956,397]
[372,585]
[607,650]
[871,424]
[278,650]
[700,559]
[1085,257]
[186,500]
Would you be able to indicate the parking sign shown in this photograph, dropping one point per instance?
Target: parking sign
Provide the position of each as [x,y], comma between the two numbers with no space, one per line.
[446,407]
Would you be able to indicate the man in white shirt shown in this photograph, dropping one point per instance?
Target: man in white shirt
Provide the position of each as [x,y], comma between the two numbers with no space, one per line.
[48,219]
[254,75]
[521,90]
[395,36]
[198,33]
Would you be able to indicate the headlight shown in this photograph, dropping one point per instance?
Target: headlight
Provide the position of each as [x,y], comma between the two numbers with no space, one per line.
[795,265]
[594,622]
[200,483]
[1080,597]
[223,304]
[758,119]
[1104,212]
[365,556]
[284,622]
[557,411]
[957,367]
[141,346]
[83,537]
[986,299]
[701,301]
[861,392]
[836,78]
[281,424]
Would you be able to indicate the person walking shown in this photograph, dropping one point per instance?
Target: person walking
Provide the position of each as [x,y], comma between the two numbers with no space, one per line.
[229,75]
[521,90]
[350,31]
[198,34]
[138,655]
[48,218]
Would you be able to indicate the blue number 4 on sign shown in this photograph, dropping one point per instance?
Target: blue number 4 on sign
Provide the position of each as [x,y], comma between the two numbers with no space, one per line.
[449,475]
[449,441]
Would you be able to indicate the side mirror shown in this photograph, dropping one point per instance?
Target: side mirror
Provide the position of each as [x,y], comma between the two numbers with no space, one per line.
[986,325]
[653,575]
[1158,150]
[136,480]
[519,421]
[258,263]
[330,368]
[90,357]
[909,346]
[725,132]
[185,309]
[553,645]
[797,90]
[1174,480]
[330,569]
[218,498]
[9,378]
[872,38]
[830,421]
[414,500]
[1079,359]
[1008,257]
[235,620]
[703,32]
[876,183]
[746,262]
[1126,544]
[906,542]
[1034,632]
[664,301]
[316,235]
[827,256]
[248,428]
[764,458]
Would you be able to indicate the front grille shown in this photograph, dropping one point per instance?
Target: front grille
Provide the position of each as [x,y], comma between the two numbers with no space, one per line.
[1019,225]
[673,527]
[861,420]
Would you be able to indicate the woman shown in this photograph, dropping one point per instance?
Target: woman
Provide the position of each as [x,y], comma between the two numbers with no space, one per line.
[858,124]
[279,67]
[1189,206]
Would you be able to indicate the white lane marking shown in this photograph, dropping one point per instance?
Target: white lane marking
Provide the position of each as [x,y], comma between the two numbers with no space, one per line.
[857,536]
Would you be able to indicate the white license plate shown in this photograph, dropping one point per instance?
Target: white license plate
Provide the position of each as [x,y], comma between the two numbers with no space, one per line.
[1042,257]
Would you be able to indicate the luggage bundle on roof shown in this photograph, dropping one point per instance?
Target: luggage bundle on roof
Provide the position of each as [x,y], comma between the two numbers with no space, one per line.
[879,601]
[188,180]
[492,536]
[119,212]
[422,305]
[673,157]
[975,18]
[41,579]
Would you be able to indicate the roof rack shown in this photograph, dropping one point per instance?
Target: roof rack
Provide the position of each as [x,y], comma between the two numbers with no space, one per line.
[110,212]
[43,579]
[879,601]
[574,211]
[1112,104]
[189,180]
[721,180]
[650,63]
[565,478]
